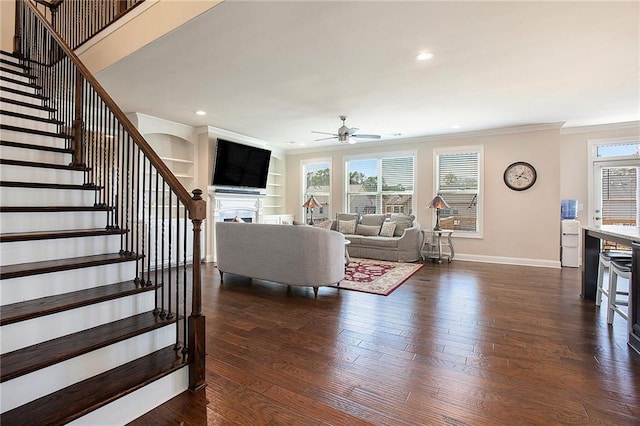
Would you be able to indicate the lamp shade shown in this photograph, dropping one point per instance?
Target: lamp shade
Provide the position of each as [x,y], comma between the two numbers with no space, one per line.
[311,203]
[438,203]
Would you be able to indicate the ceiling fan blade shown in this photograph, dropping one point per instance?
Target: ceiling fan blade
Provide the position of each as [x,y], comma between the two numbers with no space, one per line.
[352,131]
[325,133]
[362,136]
[324,139]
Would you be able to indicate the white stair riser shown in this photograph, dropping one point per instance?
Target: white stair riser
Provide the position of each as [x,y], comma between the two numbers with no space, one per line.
[40,250]
[16,290]
[4,73]
[20,87]
[60,221]
[13,153]
[26,333]
[15,136]
[42,197]
[40,175]
[21,390]
[128,408]
[28,123]
[36,112]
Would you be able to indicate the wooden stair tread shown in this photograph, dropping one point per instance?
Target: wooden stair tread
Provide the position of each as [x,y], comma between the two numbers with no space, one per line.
[35,147]
[14,64]
[22,163]
[30,117]
[51,235]
[23,93]
[53,209]
[35,132]
[41,355]
[22,73]
[43,267]
[16,184]
[26,104]
[83,397]
[35,308]
[20,82]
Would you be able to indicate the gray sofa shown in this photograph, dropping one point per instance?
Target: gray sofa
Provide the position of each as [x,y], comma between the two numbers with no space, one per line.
[403,245]
[292,255]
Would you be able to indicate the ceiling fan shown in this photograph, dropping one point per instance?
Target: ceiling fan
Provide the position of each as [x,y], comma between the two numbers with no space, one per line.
[346,134]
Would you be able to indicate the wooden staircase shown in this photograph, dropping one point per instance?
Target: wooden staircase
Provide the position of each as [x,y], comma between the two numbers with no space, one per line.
[81,339]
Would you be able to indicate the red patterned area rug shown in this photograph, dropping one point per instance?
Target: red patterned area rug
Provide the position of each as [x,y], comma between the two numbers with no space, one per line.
[376,276]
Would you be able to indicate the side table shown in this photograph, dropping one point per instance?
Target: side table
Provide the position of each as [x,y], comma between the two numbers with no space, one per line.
[433,243]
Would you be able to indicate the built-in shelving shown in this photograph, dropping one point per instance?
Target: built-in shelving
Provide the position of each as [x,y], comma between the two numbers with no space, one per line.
[179,156]
[274,200]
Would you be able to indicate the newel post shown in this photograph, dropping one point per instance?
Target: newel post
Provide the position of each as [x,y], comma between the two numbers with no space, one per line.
[78,124]
[196,343]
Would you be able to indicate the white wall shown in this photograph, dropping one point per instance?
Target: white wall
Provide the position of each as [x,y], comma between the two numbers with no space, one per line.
[521,227]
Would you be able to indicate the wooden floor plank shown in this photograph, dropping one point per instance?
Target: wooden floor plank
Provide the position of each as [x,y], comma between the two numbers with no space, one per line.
[457,344]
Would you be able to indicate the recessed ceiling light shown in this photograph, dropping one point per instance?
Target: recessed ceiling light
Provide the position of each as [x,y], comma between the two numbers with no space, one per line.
[291,143]
[424,56]
[455,126]
[201,112]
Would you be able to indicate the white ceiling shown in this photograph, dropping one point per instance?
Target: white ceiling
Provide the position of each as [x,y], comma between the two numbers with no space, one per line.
[275,71]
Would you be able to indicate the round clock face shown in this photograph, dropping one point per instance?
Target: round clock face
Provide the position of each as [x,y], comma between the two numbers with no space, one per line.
[520,176]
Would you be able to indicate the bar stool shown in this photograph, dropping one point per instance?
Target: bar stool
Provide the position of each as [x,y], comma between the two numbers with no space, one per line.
[618,268]
[605,259]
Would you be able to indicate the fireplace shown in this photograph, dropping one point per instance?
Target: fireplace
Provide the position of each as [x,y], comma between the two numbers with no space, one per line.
[224,206]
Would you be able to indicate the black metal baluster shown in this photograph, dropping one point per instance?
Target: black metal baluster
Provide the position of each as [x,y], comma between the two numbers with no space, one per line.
[184,286]
[163,251]
[141,217]
[169,315]
[135,216]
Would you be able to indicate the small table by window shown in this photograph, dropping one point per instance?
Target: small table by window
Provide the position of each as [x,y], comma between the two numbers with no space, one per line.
[437,245]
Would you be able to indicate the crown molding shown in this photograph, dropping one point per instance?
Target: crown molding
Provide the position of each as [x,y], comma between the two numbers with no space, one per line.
[602,127]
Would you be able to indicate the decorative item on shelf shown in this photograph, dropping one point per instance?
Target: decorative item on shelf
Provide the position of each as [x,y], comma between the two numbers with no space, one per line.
[311,204]
[438,203]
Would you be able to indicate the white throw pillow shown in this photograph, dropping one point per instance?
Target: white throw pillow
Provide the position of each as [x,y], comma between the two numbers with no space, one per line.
[388,228]
[347,226]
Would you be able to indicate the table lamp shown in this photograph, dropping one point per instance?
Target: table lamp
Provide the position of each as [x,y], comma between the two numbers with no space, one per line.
[438,203]
[311,203]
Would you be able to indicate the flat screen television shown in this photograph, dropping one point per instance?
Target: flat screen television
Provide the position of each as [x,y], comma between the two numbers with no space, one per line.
[238,165]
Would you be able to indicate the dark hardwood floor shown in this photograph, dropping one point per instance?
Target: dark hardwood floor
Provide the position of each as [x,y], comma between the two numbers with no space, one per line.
[457,344]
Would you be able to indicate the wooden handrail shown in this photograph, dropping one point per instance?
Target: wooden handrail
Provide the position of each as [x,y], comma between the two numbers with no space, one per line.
[163,170]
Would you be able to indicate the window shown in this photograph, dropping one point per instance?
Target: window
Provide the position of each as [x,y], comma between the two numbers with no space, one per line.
[614,196]
[380,184]
[458,182]
[316,181]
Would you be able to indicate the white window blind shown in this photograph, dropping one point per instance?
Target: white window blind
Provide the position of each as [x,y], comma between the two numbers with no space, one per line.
[619,195]
[457,180]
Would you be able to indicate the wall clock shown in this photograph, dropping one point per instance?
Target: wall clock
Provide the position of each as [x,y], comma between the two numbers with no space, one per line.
[520,176]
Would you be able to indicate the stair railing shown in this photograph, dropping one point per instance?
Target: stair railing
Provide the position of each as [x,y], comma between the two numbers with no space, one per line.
[79,21]
[142,195]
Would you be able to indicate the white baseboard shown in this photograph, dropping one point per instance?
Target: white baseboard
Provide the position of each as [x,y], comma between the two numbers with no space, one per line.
[521,261]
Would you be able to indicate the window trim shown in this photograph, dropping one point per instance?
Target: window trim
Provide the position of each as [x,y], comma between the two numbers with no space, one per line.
[479,233]
[614,161]
[303,164]
[379,156]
